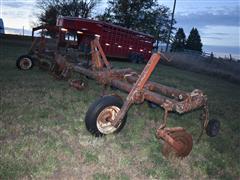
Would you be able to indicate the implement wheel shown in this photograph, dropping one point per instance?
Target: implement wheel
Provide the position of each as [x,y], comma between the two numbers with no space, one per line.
[24,62]
[100,113]
[213,128]
[182,137]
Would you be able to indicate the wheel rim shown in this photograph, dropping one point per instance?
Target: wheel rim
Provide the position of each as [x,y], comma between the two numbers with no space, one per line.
[25,63]
[104,120]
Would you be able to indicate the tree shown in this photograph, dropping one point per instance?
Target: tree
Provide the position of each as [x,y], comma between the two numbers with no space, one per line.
[126,13]
[194,41]
[141,15]
[179,41]
[157,23]
[49,17]
[51,9]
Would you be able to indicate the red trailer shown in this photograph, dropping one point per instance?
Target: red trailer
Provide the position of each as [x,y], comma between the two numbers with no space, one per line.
[116,41]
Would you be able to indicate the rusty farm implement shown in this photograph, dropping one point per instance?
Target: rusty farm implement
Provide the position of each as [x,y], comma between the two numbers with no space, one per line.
[108,114]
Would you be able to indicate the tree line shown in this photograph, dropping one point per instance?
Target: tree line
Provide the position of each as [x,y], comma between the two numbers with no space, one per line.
[147,16]
[193,42]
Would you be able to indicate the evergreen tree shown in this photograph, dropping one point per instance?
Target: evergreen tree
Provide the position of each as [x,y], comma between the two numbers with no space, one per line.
[194,41]
[179,41]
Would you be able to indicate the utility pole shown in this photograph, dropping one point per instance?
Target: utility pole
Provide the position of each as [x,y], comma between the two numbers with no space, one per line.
[169,33]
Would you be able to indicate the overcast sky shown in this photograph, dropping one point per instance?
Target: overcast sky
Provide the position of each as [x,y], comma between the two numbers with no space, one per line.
[218,21]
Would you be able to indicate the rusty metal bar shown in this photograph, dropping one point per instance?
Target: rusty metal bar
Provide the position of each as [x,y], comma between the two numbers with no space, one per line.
[96,62]
[148,95]
[85,71]
[147,71]
[96,41]
[168,91]
[121,72]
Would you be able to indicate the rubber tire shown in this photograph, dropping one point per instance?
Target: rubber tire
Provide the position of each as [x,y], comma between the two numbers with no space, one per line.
[20,58]
[140,59]
[96,108]
[213,128]
[133,58]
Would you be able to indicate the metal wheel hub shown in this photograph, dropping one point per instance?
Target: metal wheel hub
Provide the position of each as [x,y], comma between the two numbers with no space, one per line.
[181,137]
[104,120]
[25,63]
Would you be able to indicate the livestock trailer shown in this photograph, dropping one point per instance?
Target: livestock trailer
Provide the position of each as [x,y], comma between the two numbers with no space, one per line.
[117,41]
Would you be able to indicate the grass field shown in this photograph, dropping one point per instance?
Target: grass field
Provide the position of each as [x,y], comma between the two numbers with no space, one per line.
[43,135]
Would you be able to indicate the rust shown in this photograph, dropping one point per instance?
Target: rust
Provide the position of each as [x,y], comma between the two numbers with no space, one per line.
[194,100]
[177,142]
[99,59]
[77,84]
[107,75]
[138,87]
[159,88]
[104,119]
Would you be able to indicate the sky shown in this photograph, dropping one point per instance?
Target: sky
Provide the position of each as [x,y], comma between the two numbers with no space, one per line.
[218,21]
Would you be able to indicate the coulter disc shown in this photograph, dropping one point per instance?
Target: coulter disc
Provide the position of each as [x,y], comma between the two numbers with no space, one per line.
[182,137]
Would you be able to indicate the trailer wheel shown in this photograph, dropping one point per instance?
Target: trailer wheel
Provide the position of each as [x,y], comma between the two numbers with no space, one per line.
[140,59]
[132,58]
[24,62]
[100,113]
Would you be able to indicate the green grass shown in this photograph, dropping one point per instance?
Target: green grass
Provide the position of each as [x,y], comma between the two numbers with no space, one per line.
[43,135]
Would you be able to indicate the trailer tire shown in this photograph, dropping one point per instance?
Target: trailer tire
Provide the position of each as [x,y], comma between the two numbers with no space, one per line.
[25,62]
[133,57]
[140,59]
[108,105]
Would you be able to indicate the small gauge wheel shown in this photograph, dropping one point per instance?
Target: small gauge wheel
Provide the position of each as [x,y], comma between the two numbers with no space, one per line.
[24,62]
